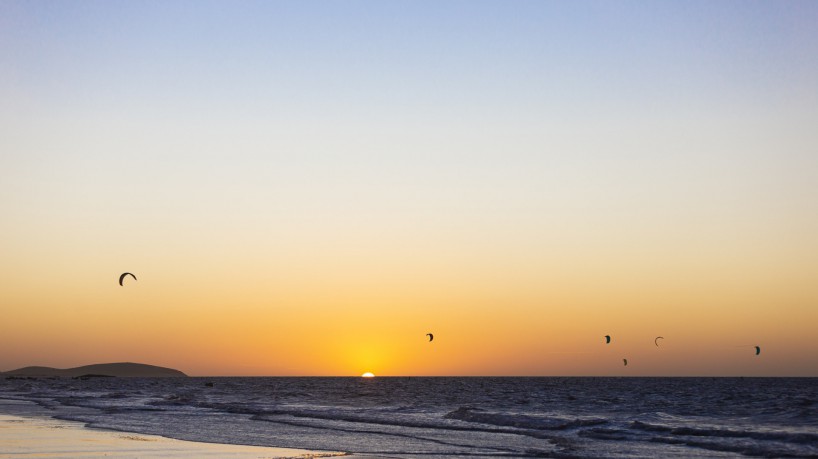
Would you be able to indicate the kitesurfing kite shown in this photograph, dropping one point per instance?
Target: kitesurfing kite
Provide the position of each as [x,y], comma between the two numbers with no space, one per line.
[656,341]
[626,361]
[122,277]
[758,350]
[431,337]
[607,339]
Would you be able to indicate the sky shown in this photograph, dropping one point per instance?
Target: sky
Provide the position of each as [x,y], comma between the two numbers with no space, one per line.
[309,187]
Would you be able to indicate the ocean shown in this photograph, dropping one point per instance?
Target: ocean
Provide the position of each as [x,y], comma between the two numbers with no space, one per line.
[420,417]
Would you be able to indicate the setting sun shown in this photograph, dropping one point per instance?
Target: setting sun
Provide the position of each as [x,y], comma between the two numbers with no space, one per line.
[367,375]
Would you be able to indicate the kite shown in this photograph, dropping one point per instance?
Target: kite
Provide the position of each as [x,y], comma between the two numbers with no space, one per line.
[122,277]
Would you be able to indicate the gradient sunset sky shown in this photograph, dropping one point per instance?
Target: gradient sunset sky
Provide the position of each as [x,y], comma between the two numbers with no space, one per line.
[308,188]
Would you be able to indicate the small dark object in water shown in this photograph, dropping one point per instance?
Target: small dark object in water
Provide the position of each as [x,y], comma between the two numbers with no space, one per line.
[89,376]
[208,384]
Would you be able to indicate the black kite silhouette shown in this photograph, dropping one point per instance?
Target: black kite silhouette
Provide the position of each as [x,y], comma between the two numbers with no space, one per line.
[656,341]
[122,277]
[431,337]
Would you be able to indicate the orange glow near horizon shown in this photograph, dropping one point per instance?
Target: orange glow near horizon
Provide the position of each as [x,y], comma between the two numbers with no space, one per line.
[265,324]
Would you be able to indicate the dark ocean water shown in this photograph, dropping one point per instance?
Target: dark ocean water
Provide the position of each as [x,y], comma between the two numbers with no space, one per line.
[449,417]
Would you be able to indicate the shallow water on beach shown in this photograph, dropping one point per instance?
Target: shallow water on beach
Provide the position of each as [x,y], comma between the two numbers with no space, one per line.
[428,417]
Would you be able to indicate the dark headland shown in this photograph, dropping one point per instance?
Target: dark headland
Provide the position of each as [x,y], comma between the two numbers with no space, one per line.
[121,370]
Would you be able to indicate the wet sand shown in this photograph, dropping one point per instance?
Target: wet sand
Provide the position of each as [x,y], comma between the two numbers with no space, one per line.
[36,437]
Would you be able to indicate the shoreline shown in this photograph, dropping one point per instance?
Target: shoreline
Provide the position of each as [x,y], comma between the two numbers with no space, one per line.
[46,437]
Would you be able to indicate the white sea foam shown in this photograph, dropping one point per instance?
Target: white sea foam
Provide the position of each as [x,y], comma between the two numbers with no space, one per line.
[422,417]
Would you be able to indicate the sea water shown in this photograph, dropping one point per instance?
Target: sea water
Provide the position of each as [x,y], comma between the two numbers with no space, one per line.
[450,417]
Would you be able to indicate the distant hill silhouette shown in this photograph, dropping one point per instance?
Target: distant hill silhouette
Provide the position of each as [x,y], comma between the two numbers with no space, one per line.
[123,370]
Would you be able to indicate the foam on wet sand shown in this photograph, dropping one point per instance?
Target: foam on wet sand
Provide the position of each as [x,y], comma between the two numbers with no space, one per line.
[37,437]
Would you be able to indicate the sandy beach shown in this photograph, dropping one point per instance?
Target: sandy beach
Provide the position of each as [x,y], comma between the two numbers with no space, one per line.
[39,437]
